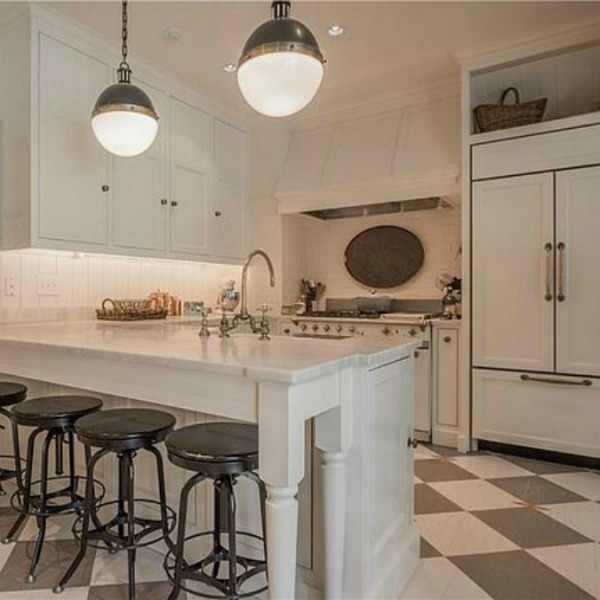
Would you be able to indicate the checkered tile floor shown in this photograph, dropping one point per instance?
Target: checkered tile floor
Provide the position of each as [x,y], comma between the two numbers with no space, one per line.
[504,528]
[491,526]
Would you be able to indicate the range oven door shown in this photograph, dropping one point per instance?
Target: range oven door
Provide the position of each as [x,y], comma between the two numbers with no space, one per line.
[422,397]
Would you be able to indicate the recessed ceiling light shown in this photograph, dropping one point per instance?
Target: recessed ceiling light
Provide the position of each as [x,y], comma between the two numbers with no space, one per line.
[172,34]
[230,68]
[336,30]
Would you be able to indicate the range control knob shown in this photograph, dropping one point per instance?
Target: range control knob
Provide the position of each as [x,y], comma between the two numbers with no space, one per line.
[386,331]
[352,329]
[338,328]
[287,331]
[303,326]
[326,328]
[315,327]
[412,332]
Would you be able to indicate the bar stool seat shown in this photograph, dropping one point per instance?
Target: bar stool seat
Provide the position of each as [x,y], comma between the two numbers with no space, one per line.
[10,394]
[55,417]
[222,452]
[117,524]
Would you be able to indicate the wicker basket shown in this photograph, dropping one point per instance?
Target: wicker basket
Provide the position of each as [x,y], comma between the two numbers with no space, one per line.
[490,117]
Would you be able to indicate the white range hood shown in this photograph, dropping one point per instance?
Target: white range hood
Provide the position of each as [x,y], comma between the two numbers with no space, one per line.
[396,155]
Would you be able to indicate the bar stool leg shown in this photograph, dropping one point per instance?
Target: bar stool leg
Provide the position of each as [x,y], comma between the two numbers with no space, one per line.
[85,526]
[26,491]
[17,453]
[131,552]
[217,548]
[162,495]
[42,517]
[231,513]
[183,506]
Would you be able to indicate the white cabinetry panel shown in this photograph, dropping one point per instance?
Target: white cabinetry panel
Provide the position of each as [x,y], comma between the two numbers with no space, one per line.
[447,377]
[191,166]
[545,152]
[577,237]
[513,321]
[554,416]
[230,201]
[138,188]
[72,165]
[422,396]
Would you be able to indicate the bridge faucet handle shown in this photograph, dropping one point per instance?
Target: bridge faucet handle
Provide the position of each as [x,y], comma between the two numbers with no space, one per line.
[264,308]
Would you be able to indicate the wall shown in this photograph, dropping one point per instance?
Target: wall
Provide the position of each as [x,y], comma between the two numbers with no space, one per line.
[325,242]
[82,282]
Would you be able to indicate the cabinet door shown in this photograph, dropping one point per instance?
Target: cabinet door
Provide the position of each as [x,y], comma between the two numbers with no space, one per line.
[230,200]
[73,168]
[512,246]
[578,272]
[191,160]
[139,217]
[422,399]
[447,378]
[538,411]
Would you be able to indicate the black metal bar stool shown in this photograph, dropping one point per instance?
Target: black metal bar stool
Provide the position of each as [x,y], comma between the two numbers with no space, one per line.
[221,452]
[11,394]
[54,416]
[123,432]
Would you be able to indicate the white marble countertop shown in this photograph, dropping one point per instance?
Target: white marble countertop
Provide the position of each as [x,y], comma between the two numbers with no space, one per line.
[176,344]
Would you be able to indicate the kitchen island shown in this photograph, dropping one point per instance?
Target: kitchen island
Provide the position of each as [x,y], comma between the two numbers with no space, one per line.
[358,391]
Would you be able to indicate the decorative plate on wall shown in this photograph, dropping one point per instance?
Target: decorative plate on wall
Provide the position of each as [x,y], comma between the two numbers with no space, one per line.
[384,257]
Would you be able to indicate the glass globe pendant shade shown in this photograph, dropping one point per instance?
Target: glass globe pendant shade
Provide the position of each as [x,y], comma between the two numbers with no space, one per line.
[281,83]
[281,66]
[124,120]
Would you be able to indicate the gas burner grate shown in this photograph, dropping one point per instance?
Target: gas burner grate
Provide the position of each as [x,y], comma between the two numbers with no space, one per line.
[343,314]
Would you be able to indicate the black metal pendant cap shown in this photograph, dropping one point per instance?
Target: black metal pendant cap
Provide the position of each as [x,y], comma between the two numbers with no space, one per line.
[282,34]
[124,96]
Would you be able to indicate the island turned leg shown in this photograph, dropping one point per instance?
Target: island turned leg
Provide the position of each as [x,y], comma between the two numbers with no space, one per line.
[282,535]
[333,466]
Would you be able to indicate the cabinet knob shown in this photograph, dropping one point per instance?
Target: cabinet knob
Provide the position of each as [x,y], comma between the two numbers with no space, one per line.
[447,339]
[217,213]
[412,442]
[163,201]
[174,203]
[105,188]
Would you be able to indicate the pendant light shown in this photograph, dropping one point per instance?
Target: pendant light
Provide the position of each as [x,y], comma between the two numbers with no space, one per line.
[124,120]
[281,67]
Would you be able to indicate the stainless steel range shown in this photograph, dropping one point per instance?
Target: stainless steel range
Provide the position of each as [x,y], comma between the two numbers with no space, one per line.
[379,317]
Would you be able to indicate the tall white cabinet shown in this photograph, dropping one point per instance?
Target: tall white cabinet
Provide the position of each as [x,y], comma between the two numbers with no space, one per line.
[185,198]
[535,284]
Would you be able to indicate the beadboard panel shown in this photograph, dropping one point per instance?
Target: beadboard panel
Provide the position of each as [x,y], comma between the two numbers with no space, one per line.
[83,281]
[326,241]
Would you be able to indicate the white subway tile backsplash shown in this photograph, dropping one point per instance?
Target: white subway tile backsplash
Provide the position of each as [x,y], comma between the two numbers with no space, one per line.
[82,282]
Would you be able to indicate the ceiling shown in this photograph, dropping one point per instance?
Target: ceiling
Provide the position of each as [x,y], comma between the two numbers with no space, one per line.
[388,47]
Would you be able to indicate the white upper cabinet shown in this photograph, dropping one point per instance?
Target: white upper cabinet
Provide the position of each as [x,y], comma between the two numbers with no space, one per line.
[139,189]
[231,148]
[73,185]
[61,190]
[577,271]
[190,175]
[512,245]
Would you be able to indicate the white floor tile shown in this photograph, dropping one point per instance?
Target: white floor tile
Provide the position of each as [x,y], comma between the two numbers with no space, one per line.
[490,467]
[475,494]
[584,483]
[579,563]
[416,480]
[68,594]
[454,534]
[439,579]
[583,517]
[422,452]
[112,568]
[57,528]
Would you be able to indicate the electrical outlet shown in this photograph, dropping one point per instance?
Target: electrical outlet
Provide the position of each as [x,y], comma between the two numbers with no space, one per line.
[47,285]
[10,287]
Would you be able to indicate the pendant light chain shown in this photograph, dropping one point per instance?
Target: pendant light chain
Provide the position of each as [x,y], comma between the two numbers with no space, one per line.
[281,9]
[124,71]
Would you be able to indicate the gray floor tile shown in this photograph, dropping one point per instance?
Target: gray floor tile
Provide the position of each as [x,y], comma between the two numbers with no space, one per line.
[427,550]
[440,470]
[443,450]
[56,557]
[540,467]
[7,518]
[428,501]
[517,576]
[529,528]
[536,490]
